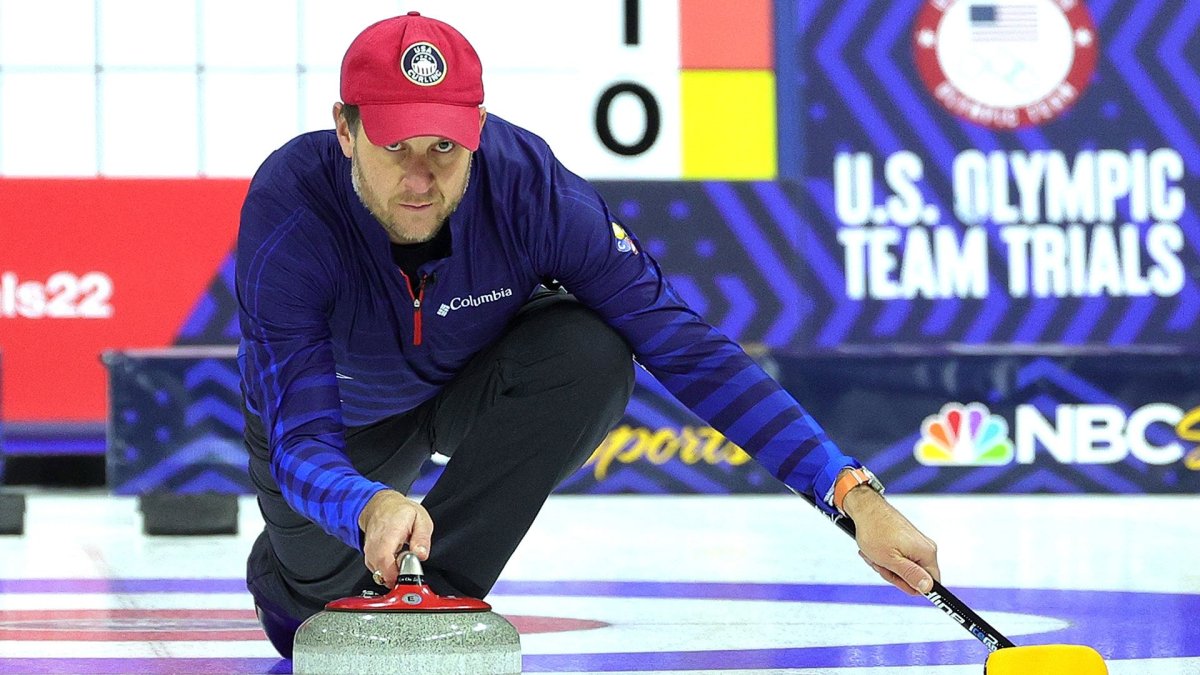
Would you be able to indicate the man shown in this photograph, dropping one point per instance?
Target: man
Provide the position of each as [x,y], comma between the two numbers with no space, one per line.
[391,278]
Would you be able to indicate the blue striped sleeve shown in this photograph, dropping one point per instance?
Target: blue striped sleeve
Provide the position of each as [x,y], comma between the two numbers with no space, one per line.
[284,290]
[702,368]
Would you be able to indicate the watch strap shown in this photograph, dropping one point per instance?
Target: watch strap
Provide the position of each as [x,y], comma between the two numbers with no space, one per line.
[850,479]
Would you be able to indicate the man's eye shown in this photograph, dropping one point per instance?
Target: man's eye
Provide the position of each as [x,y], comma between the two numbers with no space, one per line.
[444,146]
[394,146]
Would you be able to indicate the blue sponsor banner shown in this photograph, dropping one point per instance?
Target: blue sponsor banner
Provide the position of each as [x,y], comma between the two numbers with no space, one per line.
[1014,171]
[175,425]
[1078,421]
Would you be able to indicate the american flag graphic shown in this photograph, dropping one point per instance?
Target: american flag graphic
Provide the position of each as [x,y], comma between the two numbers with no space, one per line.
[995,22]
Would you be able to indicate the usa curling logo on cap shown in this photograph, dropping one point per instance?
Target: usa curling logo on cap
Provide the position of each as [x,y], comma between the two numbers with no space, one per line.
[1005,64]
[423,64]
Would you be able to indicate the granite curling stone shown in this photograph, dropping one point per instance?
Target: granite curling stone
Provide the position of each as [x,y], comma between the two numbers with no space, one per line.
[409,630]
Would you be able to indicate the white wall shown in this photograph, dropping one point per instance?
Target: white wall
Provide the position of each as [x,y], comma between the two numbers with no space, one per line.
[210,87]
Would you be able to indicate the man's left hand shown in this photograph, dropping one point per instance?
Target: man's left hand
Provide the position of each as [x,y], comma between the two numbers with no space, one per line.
[890,544]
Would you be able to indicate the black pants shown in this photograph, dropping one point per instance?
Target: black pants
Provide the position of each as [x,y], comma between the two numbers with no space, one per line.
[524,414]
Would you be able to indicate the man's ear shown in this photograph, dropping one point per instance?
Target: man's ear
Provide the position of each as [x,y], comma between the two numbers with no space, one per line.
[345,136]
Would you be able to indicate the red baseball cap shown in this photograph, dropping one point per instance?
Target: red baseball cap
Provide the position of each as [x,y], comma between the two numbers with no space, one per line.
[414,76]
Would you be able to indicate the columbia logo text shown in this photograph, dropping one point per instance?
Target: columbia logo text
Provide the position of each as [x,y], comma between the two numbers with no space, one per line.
[474,300]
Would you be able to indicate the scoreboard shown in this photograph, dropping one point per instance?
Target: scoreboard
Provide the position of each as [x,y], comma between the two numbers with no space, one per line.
[633,89]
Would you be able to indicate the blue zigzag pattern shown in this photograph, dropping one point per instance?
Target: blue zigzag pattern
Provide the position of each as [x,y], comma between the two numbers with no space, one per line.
[783,331]
[209,453]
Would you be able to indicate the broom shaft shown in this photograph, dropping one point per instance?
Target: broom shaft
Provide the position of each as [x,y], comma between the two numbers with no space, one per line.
[941,598]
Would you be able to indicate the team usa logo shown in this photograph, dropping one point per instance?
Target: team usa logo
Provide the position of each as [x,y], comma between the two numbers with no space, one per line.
[423,64]
[964,435]
[1005,64]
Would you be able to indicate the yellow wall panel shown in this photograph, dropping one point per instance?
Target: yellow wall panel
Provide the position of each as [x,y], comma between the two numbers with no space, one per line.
[728,124]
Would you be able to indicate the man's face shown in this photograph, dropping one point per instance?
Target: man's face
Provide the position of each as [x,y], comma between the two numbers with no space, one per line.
[412,186]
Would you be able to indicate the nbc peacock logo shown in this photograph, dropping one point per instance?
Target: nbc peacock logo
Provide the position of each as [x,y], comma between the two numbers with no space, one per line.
[964,435]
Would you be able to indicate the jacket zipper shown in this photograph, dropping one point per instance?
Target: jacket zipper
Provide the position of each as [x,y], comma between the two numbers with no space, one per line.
[416,304]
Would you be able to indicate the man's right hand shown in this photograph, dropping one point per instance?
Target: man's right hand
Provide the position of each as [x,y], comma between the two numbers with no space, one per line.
[390,520]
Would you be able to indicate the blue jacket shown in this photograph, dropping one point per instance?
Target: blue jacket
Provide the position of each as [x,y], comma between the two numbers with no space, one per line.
[332,335]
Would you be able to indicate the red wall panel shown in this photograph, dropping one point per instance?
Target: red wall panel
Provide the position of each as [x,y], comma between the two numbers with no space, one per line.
[95,264]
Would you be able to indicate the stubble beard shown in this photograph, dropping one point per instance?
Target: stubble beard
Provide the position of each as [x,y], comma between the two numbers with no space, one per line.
[378,207]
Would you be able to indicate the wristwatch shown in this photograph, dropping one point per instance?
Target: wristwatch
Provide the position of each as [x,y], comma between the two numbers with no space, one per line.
[850,479]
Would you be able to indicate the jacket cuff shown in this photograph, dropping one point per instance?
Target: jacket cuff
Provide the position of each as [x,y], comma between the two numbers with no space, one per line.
[825,479]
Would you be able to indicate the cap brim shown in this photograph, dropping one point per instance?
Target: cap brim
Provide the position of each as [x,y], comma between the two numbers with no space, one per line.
[387,123]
